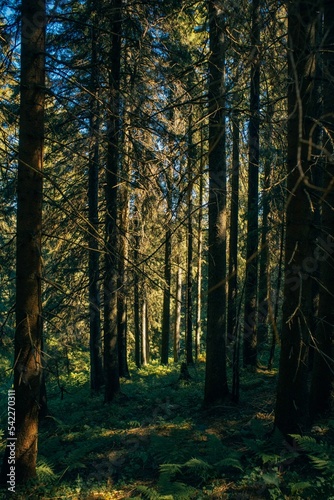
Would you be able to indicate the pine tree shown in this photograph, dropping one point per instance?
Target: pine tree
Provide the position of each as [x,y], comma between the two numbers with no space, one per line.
[215,375]
[292,391]
[28,333]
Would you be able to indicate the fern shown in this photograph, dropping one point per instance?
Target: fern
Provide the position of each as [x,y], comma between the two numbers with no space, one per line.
[230,462]
[148,493]
[45,472]
[320,454]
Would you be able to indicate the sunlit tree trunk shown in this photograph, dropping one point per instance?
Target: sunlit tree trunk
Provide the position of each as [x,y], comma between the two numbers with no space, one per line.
[199,260]
[124,199]
[264,260]
[250,318]
[111,365]
[189,301]
[216,387]
[292,391]
[233,247]
[136,292]
[28,332]
[145,348]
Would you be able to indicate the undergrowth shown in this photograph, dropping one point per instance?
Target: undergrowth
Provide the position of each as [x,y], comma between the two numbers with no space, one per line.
[156,441]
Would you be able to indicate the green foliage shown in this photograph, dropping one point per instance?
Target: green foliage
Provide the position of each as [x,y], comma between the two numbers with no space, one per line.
[45,472]
[321,454]
[156,442]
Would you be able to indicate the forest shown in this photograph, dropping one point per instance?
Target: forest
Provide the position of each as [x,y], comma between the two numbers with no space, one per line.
[167,239]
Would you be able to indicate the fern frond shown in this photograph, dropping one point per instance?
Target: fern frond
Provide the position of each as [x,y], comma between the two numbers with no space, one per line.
[319,463]
[301,486]
[320,454]
[197,463]
[170,469]
[148,493]
[45,471]
[230,462]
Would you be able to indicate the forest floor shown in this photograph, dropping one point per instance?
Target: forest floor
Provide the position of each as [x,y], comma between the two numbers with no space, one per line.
[157,441]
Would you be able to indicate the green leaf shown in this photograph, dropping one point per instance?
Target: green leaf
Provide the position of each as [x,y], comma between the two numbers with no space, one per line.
[271,479]
[302,485]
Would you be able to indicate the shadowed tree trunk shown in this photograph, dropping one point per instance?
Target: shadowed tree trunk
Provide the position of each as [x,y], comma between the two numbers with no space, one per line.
[95,343]
[166,300]
[28,333]
[322,386]
[111,365]
[292,391]
[165,334]
[216,387]
[178,305]
[250,330]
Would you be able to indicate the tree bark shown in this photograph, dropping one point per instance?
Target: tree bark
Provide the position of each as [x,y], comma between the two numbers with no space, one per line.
[264,260]
[111,364]
[292,392]
[189,301]
[145,347]
[250,318]
[124,200]
[28,333]
[216,387]
[198,330]
[95,342]
[166,300]
[233,247]
[178,305]
[322,385]
[136,293]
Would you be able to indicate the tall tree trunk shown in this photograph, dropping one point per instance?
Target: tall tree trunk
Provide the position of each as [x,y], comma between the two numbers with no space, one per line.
[292,390]
[28,332]
[322,385]
[136,293]
[250,319]
[233,249]
[124,200]
[216,387]
[275,338]
[165,333]
[178,306]
[95,342]
[189,301]
[145,350]
[199,259]
[166,300]
[111,366]
[264,261]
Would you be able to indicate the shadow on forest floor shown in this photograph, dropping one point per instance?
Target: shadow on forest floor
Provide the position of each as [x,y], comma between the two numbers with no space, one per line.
[156,441]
